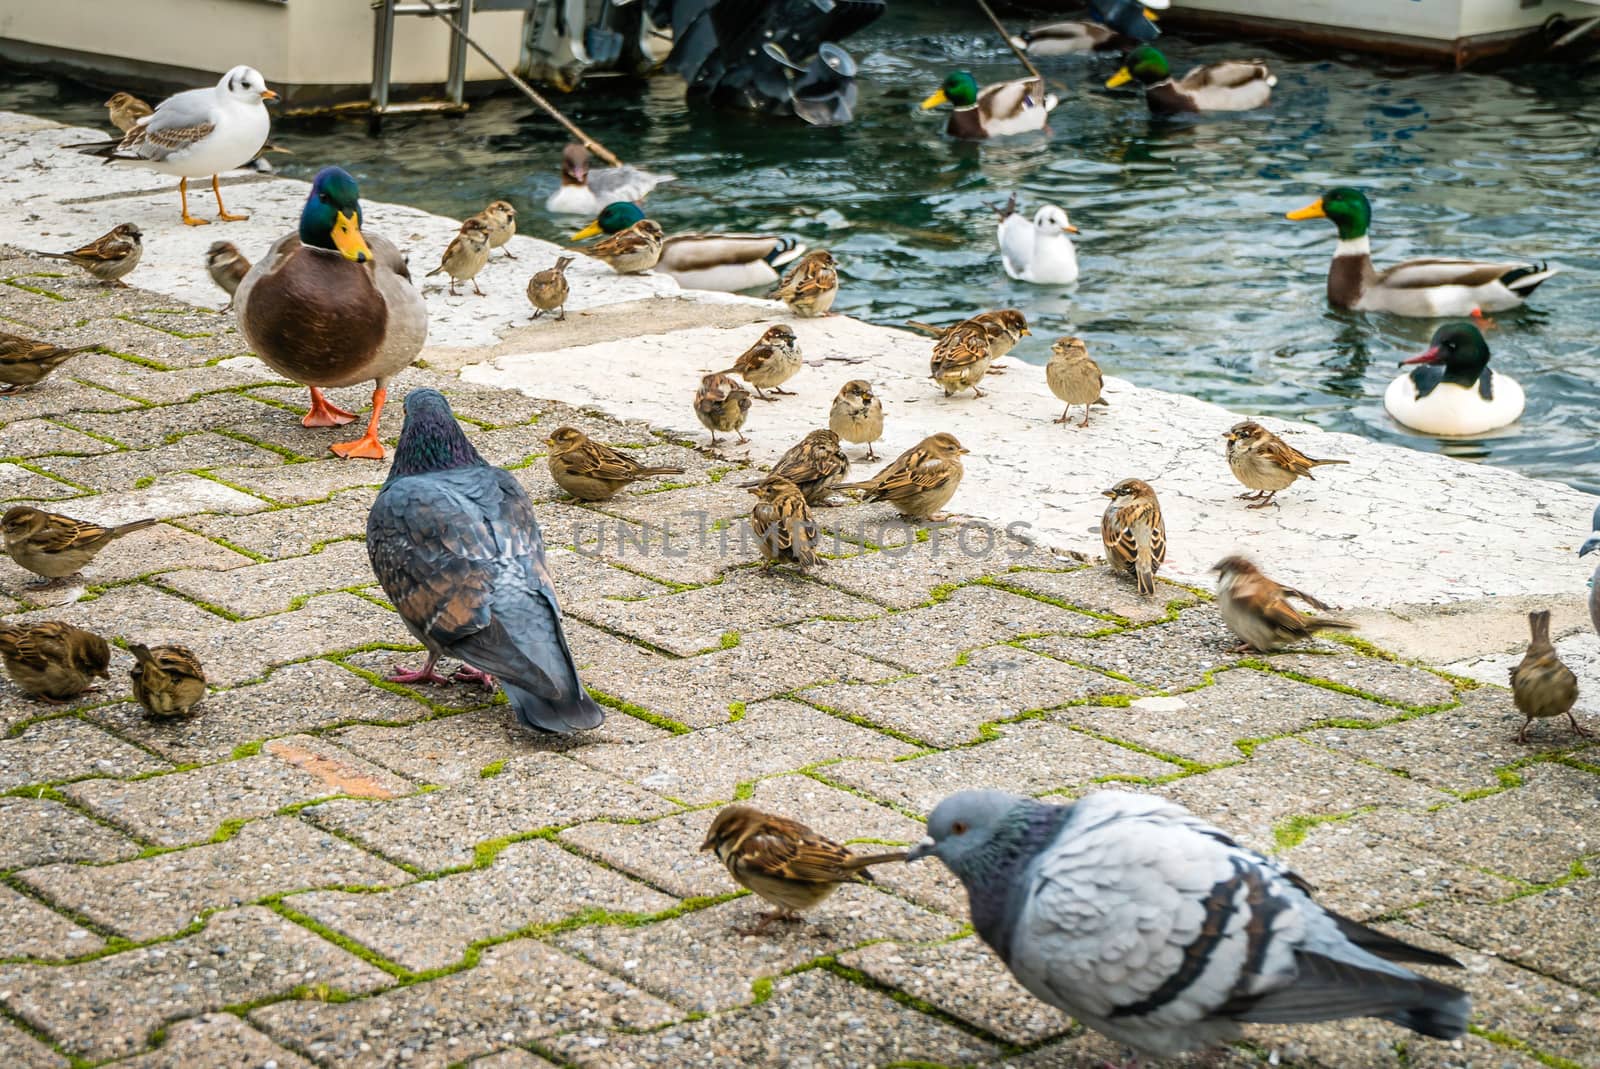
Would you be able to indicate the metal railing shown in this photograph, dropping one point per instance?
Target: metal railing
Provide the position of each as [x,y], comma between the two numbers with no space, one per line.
[385,12]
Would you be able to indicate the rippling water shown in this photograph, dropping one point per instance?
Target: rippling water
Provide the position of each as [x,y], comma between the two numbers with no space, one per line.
[1192,279]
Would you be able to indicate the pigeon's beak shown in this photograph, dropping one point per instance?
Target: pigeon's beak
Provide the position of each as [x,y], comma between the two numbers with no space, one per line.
[923,849]
[1591,544]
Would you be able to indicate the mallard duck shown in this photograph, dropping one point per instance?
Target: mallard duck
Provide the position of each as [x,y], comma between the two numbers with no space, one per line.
[726,263]
[1068,38]
[1232,85]
[629,251]
[1462,397]
[1017,107]
[331,306]
[585,192]
[1424,288]
[1040,251]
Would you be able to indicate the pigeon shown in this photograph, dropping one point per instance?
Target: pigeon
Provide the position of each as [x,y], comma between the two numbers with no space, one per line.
[1159,931]
[1590,544]
[455,545]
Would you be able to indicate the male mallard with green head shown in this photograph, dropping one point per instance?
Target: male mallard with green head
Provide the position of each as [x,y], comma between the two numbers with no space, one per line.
[726,263]
[1017,107]
[1232,85]
[1424,288]
[330,306]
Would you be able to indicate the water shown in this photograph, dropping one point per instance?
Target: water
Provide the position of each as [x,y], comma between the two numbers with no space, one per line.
[1192,279]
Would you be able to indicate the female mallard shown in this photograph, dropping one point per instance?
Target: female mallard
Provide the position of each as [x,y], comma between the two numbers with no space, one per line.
[329,306]
[1232,85]
[724,262]
[995,110]
[1423,288]
[1462,397]
[585,192]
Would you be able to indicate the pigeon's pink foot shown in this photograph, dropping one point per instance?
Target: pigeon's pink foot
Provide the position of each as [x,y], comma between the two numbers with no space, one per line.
[468,674]
[425,674]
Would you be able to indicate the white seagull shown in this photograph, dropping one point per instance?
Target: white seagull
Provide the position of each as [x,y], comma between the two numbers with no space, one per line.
[1037,251]
[199,132]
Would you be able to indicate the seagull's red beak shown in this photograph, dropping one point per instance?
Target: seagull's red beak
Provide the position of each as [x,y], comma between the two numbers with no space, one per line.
[1429,357]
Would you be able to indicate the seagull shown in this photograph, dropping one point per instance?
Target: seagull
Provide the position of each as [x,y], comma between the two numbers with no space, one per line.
[199,132]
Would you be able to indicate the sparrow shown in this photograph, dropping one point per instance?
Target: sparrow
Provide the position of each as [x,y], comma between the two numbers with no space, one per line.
[590,471]
[920,481]
[961,358]
[1264,462]
[770,362]
[1541,686]
[500,218]
[814,464]
[1134,534]
[721,405]
[227,267]
[1257,610]
[52,545]
[811,285]
[465,256]
[784,862]
[630,251]
[126,110]
[1074,377]
[548,289]
[108,257]
[53,661]
[25,362]
[785,530]
[167,680]
[1004,328]
[857,415]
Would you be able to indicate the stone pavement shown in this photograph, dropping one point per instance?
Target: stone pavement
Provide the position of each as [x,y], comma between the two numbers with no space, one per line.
[323,868]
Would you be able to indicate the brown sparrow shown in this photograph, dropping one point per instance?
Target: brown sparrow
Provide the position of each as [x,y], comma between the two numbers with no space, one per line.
[1133,532]
[811,285]
[770,362]
[1257,610]
[721,405]
[227,267]
[961,358]
[24,362]
[1004,327]
[785,531]
[548,289]
[167,680]
[815,464]
[920,481]
[465,256]
[53,661]
[783,861]
[500,218]
[1541,686]
[590,471]
[631,251]
[1266,463]
[108,257]
[1074,377]
[857,415]
[52,545]
[126,110]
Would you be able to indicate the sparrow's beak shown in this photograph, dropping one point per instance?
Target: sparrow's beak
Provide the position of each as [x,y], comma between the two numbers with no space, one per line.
[964,452]
[1429,357]
[1122,77]
[1025,330]
[1591,543]
[587,232]
[935,100]
[1108,493]
[923,849]
[267,94]
[347,238]
[1310,211]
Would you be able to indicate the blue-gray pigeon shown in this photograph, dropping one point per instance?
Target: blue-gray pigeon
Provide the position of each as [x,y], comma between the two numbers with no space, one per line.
[1159,931]
[1589,544]
[456,546]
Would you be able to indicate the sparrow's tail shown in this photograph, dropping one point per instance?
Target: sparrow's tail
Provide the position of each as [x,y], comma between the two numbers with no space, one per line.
[660,471]
[52,255]
[859,863]
[926,328]
[1319,463]
[1144,574]
[1328,623]
[136,525]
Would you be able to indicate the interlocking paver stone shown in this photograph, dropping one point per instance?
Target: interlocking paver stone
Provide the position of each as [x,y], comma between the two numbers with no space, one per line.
[29,929]
[907,573]
[109,1006]
[123,470]
[1168,657]
[293,532]
[216,1039]
[156,896]
[1097,590]
[22,1051]
[68,748]
[38,831]
[1385,679]
[258,589]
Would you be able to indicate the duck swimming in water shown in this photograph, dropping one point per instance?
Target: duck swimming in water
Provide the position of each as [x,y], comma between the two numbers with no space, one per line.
[1453,392]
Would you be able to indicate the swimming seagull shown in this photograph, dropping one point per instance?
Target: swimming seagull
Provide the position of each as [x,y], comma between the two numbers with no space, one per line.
[199,132]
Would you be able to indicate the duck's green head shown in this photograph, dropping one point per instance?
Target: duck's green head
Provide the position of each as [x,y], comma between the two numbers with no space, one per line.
[331,218]
[960,88]
[616,217]
[1348,208]
[1144,63]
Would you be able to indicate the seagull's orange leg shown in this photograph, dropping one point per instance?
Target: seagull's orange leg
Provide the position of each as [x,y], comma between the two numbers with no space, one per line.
[183,199]
[324,413]
[367,445]
[223,213]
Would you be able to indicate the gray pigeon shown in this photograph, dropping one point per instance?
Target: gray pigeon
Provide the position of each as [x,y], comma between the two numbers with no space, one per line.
[458,551]
[1156,929]
[1593,543]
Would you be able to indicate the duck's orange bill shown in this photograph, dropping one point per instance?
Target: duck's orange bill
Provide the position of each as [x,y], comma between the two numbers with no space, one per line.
[348,240]
[1310,211]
